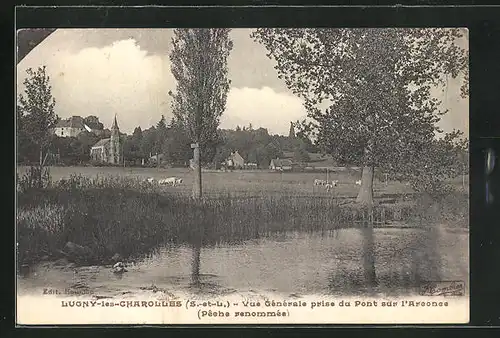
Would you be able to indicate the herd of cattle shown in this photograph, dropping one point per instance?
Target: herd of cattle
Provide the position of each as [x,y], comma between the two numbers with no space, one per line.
[329,185]
[173,181]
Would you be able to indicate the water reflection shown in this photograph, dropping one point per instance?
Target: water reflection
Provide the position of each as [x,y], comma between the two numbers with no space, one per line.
[369,256]
[395,260]
[347,261]
[425,256]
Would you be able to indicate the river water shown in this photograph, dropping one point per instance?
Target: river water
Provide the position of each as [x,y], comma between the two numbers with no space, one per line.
[347,261]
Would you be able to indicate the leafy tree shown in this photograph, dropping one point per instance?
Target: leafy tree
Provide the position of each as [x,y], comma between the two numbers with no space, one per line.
[86,140]
[36,118]
[252,157]
[132,147]
[177,146]
[36,109]
[222,153]
[161,135]
[27,150]
[300,153]
[199,64]
[376,85]
[439,160]
[137,134]
[148,142]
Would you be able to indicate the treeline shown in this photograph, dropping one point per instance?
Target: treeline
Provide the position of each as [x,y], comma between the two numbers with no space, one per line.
[258,146]
[170,141]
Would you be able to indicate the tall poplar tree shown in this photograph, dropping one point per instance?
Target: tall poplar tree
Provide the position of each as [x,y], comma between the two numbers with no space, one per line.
[199,65]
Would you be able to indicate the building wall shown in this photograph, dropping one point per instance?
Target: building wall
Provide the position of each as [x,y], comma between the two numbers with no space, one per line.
[115,151]
[101,153]
[238,161]
[67,131]
[98,154]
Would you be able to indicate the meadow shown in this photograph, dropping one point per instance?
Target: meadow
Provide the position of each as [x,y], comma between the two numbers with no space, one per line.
[114,211]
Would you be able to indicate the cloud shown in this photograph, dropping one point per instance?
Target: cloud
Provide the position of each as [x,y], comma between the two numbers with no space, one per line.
[117,79]
[458,107]
[127,72]
[262,107]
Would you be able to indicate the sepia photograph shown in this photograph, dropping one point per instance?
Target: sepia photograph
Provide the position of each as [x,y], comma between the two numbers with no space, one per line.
[242,176]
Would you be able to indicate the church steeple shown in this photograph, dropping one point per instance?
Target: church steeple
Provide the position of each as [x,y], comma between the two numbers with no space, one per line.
[115,124]
[115,150]
[291,134]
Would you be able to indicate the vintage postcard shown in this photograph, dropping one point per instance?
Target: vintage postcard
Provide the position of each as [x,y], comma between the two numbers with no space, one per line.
[242,176]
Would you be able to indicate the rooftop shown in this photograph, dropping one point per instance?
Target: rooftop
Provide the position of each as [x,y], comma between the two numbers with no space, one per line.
[101,143]
[72,122]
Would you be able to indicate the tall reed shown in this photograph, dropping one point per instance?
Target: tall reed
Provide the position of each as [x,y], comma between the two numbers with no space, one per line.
[132,217]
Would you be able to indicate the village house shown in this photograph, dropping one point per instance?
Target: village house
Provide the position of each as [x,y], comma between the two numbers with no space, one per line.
[156,159]
[235,161]
[108,150]
[70,127]
[281,164]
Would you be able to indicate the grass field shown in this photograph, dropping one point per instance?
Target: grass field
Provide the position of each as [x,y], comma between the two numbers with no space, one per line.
[245,182]
[113,210]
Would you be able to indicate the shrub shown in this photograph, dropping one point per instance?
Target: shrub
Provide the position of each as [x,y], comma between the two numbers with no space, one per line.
[37,177]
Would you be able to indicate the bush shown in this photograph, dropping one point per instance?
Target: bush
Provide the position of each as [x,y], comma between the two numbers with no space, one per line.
[37,177]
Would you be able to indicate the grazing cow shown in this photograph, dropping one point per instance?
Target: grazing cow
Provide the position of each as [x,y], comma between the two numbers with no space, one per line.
[358,182]
[150,180]
[329,186]
[119,268]
[178,181]
[168,181]
[319,182]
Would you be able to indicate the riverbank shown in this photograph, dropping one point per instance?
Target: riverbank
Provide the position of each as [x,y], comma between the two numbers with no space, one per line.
[127,218]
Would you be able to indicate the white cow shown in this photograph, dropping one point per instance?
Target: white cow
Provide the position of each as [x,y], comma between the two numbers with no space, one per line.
[168,181]
[320,182]
[150,180]
[358,182]
[178,181]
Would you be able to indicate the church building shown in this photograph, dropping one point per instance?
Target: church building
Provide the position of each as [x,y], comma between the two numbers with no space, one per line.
[108,150]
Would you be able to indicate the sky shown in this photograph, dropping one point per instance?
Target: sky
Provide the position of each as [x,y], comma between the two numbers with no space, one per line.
[126,72]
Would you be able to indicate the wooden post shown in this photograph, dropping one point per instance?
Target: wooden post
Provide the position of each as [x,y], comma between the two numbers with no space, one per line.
[326,175]
[197,192]
[386,176]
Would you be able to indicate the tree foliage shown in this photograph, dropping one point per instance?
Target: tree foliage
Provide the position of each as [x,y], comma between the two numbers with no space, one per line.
[300,153]
[254,145]
[368,91]
[177,145]
[35,112]
[199,65]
